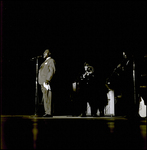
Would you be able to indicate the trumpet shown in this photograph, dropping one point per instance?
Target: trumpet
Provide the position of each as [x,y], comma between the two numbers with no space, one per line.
[89,71]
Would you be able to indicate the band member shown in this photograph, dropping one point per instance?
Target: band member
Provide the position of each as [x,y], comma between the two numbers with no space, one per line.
[93,91]
[87,88]
[46,73]
[125,79]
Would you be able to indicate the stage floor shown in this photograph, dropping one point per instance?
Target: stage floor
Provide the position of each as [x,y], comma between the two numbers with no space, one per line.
[68,132]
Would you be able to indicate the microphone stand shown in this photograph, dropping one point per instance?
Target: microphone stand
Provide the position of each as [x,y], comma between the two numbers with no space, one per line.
[36,84]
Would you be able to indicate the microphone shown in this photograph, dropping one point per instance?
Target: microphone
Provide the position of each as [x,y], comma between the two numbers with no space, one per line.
[39,56]
[36,57]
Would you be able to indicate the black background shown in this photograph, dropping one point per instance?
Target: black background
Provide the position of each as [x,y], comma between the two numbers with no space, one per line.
[75,32]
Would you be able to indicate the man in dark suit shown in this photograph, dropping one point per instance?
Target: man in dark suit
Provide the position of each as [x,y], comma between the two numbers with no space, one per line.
[46,73]
[87,89]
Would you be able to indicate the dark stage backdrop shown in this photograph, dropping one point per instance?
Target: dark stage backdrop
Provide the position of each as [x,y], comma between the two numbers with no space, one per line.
[75,32]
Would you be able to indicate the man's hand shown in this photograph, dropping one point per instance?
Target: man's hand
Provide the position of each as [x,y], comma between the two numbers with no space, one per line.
[47,86]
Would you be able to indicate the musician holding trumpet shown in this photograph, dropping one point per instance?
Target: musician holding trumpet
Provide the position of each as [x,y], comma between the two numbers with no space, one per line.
[93,91]
[88,70]
[87,88]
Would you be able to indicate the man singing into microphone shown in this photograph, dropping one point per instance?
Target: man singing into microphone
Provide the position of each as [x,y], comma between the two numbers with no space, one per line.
[46,73]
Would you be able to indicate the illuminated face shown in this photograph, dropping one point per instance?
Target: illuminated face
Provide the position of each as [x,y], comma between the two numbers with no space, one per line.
[124,55]
[86,67]
[45,55]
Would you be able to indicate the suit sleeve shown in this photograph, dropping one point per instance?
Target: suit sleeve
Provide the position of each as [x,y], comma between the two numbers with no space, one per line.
[51,70]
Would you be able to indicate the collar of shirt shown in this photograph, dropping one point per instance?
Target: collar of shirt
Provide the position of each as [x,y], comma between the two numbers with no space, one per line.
[48,58]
